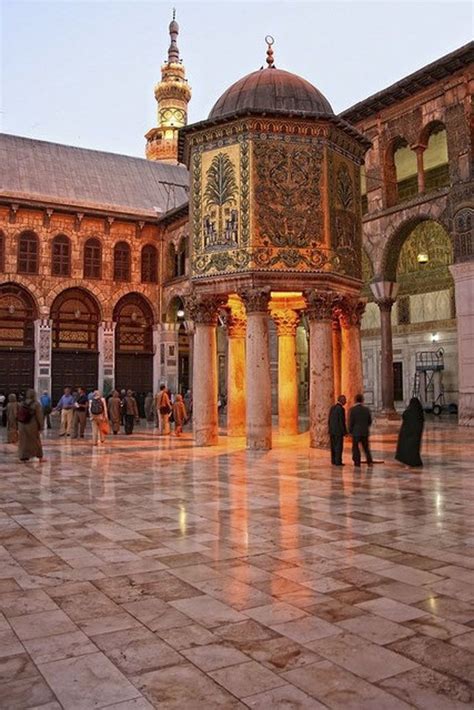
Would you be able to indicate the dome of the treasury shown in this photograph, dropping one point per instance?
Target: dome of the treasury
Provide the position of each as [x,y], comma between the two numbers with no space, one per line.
[274,91]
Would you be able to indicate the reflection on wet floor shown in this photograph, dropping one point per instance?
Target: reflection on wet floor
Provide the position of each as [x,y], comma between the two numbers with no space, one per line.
[149,573]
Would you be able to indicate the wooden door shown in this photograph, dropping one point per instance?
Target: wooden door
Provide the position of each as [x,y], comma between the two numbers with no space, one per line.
[74,368]
[134,371]
[17,370]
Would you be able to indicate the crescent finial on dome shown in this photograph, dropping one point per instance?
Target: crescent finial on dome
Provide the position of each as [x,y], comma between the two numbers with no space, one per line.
[270,62]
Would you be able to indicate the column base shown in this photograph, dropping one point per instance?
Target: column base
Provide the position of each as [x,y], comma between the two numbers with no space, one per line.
[237,432]
[206,438]
[466,409]
[259,443]
[322,442]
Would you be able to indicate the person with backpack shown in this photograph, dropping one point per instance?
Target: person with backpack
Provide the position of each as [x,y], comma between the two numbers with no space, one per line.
[99,419]
[30,424]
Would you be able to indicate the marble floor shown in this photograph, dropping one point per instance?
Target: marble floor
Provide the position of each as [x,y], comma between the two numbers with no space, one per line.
[151,574]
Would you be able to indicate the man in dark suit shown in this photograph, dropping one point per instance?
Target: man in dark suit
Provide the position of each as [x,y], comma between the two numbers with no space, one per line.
[337,430]
[360,420]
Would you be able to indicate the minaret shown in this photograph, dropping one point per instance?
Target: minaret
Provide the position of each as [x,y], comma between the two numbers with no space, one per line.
[172,94]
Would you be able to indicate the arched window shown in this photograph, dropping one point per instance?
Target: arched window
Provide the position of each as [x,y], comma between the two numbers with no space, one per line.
[435,157]
[2,251]
[61,256]
[134,330]
[406,170]
[181,257]
[149,264]
[92,259]
[121,262]
[17,315]
[28,249]
[75,317]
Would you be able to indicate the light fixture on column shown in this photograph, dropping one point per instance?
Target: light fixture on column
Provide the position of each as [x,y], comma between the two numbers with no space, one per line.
[422,258]
[434,337]
[180,313]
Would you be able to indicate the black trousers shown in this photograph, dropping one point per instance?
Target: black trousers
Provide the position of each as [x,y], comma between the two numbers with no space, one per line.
[337,445]
[364,441]
[129,422]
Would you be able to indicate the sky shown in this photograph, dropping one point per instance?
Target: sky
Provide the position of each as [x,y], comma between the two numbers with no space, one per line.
[83,73]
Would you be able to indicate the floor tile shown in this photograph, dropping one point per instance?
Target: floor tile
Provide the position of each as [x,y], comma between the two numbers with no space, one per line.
[247,679]
[44,623]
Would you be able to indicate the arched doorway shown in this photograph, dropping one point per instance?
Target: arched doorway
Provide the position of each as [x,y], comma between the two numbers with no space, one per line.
[134,344]
[75,319]
[17,339]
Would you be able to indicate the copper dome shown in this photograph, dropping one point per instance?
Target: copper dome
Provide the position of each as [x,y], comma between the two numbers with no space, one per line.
[271,90]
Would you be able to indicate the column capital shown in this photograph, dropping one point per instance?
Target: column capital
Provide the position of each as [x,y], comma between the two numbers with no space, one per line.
[349,311]
[385,304]
[256,300]
[236,319]
[320,304]
[203,309]
[286,320]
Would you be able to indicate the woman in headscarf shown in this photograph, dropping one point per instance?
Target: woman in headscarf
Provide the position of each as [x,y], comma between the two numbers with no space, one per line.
[12,421]
[30,423]
[411,432]
[115,411]
[179,415]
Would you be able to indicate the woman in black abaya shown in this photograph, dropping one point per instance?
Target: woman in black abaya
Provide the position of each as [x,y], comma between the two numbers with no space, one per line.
[411,431]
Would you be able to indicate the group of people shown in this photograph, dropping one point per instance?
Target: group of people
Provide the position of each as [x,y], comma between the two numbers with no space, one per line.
[25,417]
[358,427]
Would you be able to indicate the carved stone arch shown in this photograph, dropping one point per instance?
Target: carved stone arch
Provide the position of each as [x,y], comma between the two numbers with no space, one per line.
[34,290]
[124,291]
[433,126]
[98,294]
[396,240]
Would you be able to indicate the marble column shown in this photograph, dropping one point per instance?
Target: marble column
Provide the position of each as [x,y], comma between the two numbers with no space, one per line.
[336,355]
[169,344]
[321,367]
[420,168]
[350,312]
[203,311]
[385,293]
[286,321]
[106,339]
[43,356]
[258,384]
[236,395]
[463,275]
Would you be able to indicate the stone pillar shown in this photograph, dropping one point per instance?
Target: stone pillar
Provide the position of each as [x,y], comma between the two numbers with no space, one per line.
[258,385]
[190,333]
[236,395]
[419,150]
[106,340]
[286,321]
[385,293]
[203,311]
[336,355]
[350,312]
[158,357]
[169,346]
[43,374]
[321,372]
[463,275]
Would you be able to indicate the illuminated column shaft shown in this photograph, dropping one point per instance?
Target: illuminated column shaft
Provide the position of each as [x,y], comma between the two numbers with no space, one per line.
[286,321]
[259,411]
[203,312]
[336,356]
[236,395]
[352,381]
[321,373]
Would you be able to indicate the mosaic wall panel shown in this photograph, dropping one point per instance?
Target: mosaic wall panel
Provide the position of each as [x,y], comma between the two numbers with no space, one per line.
[344,207]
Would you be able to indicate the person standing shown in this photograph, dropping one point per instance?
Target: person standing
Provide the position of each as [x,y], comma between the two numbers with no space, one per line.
[163,406]
[45,401]
[80,414]
[337,430]
[115,411]
[130,411]
[360,420]
[149,415]
[410,435]
[98,415]
[179,415]
[12,419]
[30,423]
[66,406]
